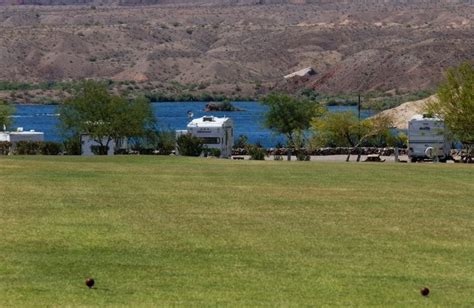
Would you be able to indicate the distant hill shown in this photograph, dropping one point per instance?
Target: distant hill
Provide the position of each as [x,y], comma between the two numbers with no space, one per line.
[221,46]
[364,3]
[143,2]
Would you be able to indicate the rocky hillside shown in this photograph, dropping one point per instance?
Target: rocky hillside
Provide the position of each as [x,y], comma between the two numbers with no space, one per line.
[333,3]
[377,46]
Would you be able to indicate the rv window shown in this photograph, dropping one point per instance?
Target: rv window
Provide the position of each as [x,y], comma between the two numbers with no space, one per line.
[210,140]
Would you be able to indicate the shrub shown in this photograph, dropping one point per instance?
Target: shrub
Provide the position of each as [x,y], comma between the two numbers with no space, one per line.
[28,147]
[5,147]
[399,140]
[203,85]
[50,148]
[72,146]
[212,152]
[37,147]
[121,152]
[310,93]
[145,144]
[302,156]
[189,145]
[166,141]
[143,151]
[256,152]
[241,142]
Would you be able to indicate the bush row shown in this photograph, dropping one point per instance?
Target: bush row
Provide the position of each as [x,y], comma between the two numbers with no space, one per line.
[191,97]
[319,151]
[5,147]
[31,148]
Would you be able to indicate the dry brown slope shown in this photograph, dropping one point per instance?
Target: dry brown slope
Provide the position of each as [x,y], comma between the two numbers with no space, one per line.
[353,48]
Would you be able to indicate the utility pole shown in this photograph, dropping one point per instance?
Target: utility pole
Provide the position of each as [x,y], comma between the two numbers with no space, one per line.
[358,116]
[358,132]
[358,107]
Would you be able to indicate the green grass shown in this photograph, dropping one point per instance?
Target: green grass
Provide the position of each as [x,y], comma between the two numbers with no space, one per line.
[169,230]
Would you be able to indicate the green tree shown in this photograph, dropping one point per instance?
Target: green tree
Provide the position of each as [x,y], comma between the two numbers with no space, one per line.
[344,129]
[289,115]
[455,103]
[5,111]
[335,129]
[103,116]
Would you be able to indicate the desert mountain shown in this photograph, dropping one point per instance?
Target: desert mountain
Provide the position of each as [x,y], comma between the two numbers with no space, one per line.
[237,45]
[332,3]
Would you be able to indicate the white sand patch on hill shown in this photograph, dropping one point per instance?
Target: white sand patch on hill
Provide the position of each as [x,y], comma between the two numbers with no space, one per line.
[405,111]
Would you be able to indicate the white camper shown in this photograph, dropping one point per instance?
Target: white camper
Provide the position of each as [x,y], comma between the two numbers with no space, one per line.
[428,139]
[20,135]
[217,133]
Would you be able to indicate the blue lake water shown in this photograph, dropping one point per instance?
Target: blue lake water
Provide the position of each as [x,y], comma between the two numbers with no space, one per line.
[171,115]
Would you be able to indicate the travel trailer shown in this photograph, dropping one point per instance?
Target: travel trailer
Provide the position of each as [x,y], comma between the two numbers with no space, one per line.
[20,135]
[217,133]
[428,139]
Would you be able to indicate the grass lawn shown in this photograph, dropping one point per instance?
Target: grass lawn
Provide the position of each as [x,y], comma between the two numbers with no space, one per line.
[170,230]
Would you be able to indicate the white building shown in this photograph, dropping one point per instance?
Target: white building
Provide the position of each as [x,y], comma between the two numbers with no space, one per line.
[217,133]
[427,138]
[88,143]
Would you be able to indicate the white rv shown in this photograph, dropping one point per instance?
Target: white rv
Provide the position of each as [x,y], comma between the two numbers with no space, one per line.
[428,139]
[217,133]
[20,135]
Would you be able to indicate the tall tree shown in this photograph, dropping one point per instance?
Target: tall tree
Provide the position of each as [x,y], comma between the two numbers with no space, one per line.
[455,103]
[344,129]
[5,111]
[103,116]
[335,129]
[289,115]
